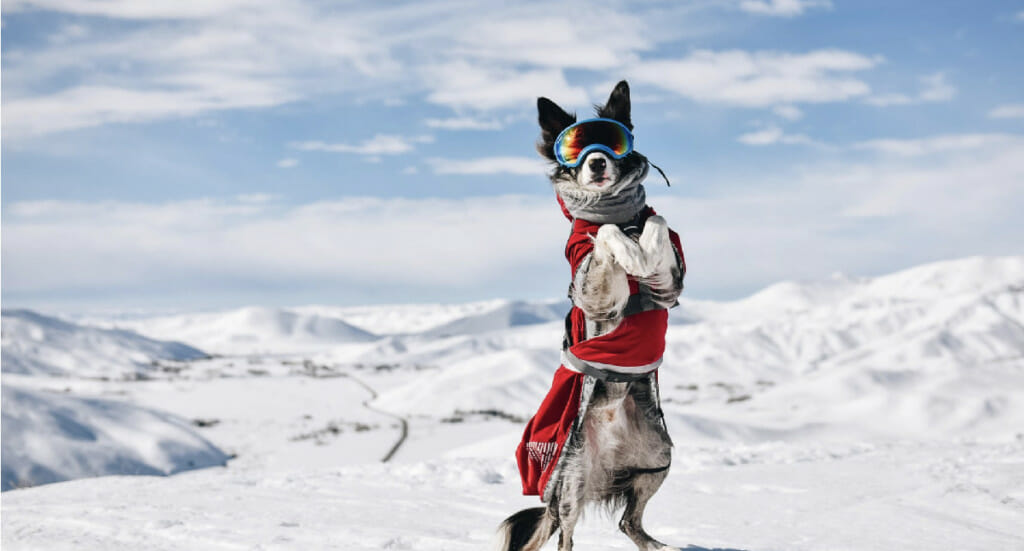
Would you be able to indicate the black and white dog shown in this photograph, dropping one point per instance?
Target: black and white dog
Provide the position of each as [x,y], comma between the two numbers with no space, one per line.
[618,450]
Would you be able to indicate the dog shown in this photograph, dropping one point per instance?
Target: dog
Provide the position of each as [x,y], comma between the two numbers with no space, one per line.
[628,270]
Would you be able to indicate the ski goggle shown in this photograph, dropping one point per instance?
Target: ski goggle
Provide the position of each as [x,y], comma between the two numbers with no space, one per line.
[610,136]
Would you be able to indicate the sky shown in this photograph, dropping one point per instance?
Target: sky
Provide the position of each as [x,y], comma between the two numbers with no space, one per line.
[187,154]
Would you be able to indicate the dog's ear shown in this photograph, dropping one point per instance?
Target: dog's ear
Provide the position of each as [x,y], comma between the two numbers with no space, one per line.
[617,107]
[553,120]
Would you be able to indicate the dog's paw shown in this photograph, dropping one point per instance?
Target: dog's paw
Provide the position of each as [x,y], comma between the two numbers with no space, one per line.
[654,238]
[657,246]
[626,252]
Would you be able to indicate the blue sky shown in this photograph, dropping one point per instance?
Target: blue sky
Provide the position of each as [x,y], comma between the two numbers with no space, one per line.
[174,154]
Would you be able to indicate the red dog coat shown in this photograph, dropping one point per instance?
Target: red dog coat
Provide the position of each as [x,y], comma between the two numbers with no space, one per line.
[634,347]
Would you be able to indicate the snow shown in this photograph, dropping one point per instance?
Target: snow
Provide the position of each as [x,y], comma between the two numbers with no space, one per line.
[252,330]
[509,380]
[49,437]
[38,344]
[397,319]
[961,496]
[504,316]
[850,413]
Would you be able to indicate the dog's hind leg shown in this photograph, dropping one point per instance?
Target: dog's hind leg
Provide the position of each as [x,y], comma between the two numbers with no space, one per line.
[641,489]
[569,509]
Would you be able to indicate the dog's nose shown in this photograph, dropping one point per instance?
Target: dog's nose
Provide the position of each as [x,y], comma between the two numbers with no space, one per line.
[597,164]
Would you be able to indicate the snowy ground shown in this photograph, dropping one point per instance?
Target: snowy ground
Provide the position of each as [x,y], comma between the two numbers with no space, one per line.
[859,414]
[904,496]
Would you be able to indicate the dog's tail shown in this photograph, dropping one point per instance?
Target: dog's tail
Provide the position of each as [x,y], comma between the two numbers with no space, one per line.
[526,530]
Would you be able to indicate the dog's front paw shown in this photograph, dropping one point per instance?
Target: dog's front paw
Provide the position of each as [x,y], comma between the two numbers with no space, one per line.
[626,252]
[656,245]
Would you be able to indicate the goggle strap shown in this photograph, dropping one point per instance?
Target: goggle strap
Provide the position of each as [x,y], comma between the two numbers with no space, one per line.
[662,172]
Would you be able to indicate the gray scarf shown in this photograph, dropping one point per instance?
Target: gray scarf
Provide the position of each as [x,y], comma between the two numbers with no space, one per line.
[604,208]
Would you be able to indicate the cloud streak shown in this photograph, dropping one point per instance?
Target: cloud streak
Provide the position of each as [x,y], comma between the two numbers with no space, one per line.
[489,165]
[937,144]
[934,88]
[464,123]
[381,144]
[774,135]
[782,8]
[759,79]
[1008,111]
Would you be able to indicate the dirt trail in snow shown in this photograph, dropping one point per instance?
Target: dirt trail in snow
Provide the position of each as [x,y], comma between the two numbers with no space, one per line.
[401,420]
[319,371]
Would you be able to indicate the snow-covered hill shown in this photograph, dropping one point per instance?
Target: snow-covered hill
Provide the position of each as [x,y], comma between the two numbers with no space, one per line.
[402,319]
[504,316]
[38,344]
[933,351]
[252,330]
[49,437]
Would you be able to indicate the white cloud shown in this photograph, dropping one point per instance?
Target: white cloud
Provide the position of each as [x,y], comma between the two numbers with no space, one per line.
[1019,16]
[129,9]
[945,144]
[934,88]
[542,38]
[759,79]
[937,144]
[788,112]
[865,219]
[489,165]
[464,123]
[256,197]
[381,144]
[774,135]
[71,32]
[201,244]
[1008,111]
[782,8]
[182,59]
[287,163]
[86,106]
[885,100]
[466,85]
[889,213]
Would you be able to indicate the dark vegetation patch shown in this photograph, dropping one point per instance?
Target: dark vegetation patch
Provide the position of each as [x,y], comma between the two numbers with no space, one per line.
[463,415]
[333,429]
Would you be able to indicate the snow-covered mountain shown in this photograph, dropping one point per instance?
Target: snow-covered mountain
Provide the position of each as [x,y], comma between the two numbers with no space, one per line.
[404,319]
[913,353]
[252,330]
[38,344]
[505,316]
[49,437]
[934,350]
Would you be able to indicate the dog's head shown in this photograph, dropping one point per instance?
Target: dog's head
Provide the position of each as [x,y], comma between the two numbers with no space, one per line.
[599,174]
